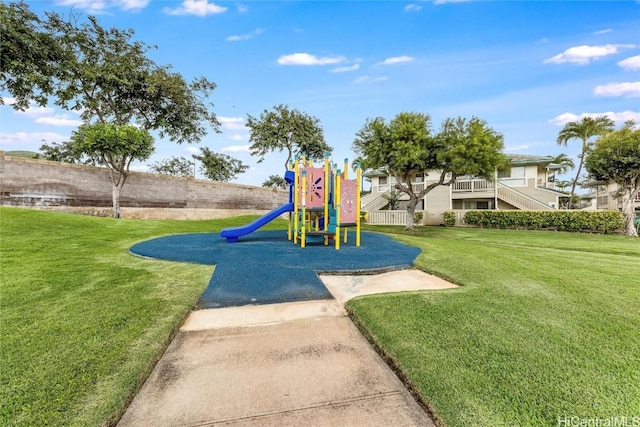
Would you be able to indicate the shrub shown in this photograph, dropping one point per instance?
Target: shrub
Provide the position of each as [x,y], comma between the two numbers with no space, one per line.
[602,221]
[449,218]
[417,218]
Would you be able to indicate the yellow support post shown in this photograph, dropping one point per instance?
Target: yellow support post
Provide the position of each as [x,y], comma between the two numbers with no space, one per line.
[346,169]
[336,197]
[304,209]
[326,197]
[358,184]
[290,223]
[296,184]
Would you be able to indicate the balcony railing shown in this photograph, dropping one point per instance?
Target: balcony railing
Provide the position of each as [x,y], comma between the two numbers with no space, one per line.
[472,186]
[417,187]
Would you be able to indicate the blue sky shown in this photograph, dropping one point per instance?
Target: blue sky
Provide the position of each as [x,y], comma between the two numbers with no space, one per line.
[526,68]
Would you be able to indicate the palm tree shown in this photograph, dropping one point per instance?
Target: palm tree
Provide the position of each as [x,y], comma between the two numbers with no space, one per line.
[565,162]
[584,130]
[561,164]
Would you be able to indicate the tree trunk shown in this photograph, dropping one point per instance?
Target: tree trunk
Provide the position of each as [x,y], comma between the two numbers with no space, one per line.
[411,210]
[575,181]
[629,214]
[115,193]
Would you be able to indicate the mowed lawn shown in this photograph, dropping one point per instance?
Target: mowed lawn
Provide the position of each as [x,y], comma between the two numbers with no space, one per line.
[546,324]
[82,321]
[544,331]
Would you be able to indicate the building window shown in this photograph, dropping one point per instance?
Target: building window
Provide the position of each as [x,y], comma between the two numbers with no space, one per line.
[514,172]
[382,180]
[476,204]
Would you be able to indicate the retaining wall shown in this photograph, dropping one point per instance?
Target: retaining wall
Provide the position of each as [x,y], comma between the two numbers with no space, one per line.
[44,184]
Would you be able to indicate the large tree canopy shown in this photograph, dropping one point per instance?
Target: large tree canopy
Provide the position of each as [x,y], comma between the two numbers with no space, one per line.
[287,130]
[407,145]
[583,130]
[116,146]
[29,56]
[616,157]
[102,73]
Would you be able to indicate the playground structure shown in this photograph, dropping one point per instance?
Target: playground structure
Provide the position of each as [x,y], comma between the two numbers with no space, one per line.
[323,204]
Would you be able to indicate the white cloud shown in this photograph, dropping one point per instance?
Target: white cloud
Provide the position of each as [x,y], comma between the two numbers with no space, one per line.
[35,138]
[628,89]
[369,79]
[232,123]
[247,36]
[237,137]
[630,64]
[608,30]
[620,117]
[307,59]
[139,168]
[353,67]
[396,60]
[584,54]
[59,120]
[192,150]
[242,8]
[412,8]
[516,148]
[438,2]
[50,118]
[36,111]
[236,149]
[196,7]
[98,6]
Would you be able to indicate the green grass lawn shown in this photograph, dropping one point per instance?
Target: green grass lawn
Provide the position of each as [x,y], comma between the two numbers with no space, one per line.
[82,321]
[546,326]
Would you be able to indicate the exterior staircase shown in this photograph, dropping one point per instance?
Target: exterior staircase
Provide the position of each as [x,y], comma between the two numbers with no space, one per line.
[520,200]
[374,201]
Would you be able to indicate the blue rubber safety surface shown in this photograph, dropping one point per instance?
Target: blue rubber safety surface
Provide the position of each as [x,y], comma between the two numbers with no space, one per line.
[265,268]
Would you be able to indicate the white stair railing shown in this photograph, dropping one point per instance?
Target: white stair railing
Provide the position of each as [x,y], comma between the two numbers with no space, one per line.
[521,200]
[377,202]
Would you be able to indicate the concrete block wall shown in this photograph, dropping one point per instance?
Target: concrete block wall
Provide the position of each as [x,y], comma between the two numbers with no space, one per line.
[41,183]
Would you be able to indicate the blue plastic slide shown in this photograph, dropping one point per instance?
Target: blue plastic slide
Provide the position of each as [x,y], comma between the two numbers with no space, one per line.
[232,234]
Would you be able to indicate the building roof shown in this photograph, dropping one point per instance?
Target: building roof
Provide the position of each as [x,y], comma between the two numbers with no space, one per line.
[515,159]
[528,159]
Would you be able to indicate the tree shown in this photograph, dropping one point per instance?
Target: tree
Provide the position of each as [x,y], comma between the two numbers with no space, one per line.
[66,153]
[116,146]
[406,145]
[565,163]
[29,56]
[174,166]
[102,73]
[219,167]
[286,130]
[583,130]
[563,184]
[616,157]
[393,199]
[275,181]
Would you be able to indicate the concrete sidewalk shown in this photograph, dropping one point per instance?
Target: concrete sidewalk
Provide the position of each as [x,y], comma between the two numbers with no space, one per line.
[292,364]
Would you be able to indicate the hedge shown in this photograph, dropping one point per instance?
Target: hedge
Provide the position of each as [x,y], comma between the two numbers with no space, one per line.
[602,221]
